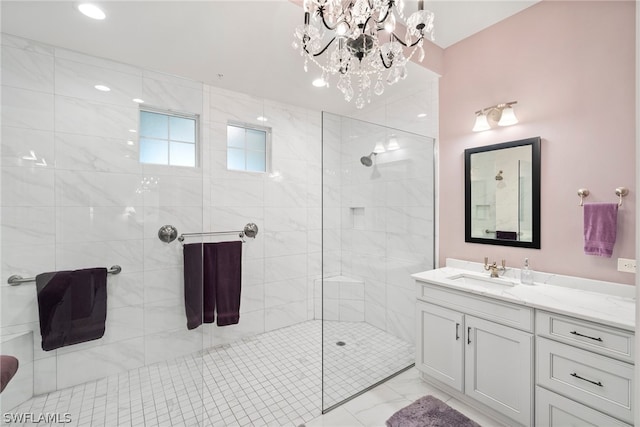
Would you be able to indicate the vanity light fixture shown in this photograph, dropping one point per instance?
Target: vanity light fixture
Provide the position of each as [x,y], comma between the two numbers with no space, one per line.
[262,118]
[379,148]
[393,143]
[138,100]
[500,114]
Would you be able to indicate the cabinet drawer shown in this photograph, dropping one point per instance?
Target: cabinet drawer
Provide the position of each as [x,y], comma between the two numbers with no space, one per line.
[513,315]
[553,410]
[591,336]
[594,380]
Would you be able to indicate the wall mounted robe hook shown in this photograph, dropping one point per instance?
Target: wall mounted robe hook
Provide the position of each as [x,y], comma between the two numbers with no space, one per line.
[582,192]
[621,192]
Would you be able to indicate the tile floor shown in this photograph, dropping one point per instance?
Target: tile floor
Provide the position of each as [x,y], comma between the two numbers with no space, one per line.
[272,379]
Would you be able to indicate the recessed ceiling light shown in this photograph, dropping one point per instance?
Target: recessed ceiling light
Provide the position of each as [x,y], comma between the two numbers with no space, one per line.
[92,11]
[103,88]
[262,118]
[421,115]
[133,130]
[138,100]
[130,143]
[319,82]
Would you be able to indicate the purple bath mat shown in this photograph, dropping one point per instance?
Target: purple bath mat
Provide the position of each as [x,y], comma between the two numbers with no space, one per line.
[429,412]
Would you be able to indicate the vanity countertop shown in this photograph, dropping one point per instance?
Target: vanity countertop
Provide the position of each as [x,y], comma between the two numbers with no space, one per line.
[603,302]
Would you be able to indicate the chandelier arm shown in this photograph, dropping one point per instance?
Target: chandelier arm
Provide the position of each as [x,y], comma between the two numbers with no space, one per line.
[384,64]
[323,49]
[320,12]
[405,44]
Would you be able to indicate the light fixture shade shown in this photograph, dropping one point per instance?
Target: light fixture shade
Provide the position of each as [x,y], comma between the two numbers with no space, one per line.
[508,117]
[481,123]
[379,148]
[393,143]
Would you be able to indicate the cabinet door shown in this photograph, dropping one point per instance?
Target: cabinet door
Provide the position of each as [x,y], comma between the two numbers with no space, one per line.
[440,344]
[499,368]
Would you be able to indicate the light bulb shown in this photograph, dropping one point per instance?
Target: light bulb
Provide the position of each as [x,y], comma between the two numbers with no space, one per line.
[92,11]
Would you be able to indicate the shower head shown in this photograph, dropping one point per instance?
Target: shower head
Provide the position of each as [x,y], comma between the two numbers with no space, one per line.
[366,160]
[499,176]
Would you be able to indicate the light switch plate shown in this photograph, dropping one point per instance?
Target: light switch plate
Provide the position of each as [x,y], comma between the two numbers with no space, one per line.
[627,265]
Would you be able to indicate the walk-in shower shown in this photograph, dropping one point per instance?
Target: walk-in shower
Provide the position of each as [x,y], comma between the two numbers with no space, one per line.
[377,229]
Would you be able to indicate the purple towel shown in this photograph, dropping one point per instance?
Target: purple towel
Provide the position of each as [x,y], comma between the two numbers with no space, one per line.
[600,223]
[8,368]
[72,306]
[212,283]
[506,235]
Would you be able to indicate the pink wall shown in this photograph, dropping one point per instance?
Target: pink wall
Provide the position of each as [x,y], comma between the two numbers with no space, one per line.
[571,67]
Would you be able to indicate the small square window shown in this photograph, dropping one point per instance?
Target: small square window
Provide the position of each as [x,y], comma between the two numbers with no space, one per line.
[247,147]
[168,138]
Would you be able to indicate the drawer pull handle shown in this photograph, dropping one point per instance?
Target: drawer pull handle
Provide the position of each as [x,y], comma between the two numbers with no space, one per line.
[469,335]
[599,384]
[457,332]
[586,336]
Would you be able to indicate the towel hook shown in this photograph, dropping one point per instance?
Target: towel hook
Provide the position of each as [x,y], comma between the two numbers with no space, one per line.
[621,192]
[582,192]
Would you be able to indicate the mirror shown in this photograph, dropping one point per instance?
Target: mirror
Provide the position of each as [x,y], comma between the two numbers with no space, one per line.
[502,194]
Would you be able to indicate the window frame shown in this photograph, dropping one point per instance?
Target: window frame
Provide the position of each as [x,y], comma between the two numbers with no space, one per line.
[171,113]
[268,138]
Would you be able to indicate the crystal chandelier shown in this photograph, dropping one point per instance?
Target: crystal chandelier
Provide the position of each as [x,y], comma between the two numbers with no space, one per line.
[358,41]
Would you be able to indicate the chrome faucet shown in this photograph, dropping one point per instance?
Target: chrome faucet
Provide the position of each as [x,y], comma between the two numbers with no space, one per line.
[494,268]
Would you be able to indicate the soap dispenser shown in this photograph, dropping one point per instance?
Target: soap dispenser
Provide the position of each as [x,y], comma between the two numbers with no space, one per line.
[526,274]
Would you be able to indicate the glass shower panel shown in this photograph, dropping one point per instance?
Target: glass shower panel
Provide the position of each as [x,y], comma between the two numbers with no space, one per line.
[377,229]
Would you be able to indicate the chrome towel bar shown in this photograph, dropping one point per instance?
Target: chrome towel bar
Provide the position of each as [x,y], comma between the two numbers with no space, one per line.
[16,279]
[168,233]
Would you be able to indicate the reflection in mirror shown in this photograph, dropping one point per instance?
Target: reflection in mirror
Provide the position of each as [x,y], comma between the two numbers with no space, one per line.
[502,194]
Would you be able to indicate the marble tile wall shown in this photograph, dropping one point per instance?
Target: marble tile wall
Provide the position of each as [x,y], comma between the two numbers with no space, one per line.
[74,195]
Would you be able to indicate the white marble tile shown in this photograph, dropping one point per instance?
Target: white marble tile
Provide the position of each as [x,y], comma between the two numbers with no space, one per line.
[186,219]
[27,70]
[76,188]
[165,315]
[26,44]
[164,286]
[99,223]
[26,147]
[399,272]
[161,255]
[411,386]
[125,289]
[338,417]
[171,96]
[375,407]
[27,186]
[411,248]
[19,304]
[330,309]
[85,117]
[238,192]
[168,345]
[285,194]
[126,253]
[285,267]
[252,298]
[77,79]
[375,291]
[351,310]
[82,366]
[284,292]
[27,109]
[368,266]
[233,106]
[28,225]
[283,243]
[97,154]
[375,314]
[166,190]
[285,315]
[44,376]
[252,271]
[352,291]
[97,62]
[287,219]
[401,325]
[26,260]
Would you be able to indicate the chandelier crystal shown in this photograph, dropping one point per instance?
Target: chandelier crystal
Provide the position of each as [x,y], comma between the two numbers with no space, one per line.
[357,43]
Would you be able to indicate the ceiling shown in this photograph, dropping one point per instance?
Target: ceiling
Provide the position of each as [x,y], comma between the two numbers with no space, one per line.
[239,45]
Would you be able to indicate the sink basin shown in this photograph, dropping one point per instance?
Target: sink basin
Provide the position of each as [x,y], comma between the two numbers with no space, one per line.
[473,279]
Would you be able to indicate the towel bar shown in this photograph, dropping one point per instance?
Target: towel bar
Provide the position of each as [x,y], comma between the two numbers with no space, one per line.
[168,233]
[16,279]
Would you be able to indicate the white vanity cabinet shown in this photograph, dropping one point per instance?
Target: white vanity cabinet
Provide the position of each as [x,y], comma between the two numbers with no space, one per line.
[482,341]
[462,344]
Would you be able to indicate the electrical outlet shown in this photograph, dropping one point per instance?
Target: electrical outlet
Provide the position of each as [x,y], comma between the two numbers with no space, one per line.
[627,265]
